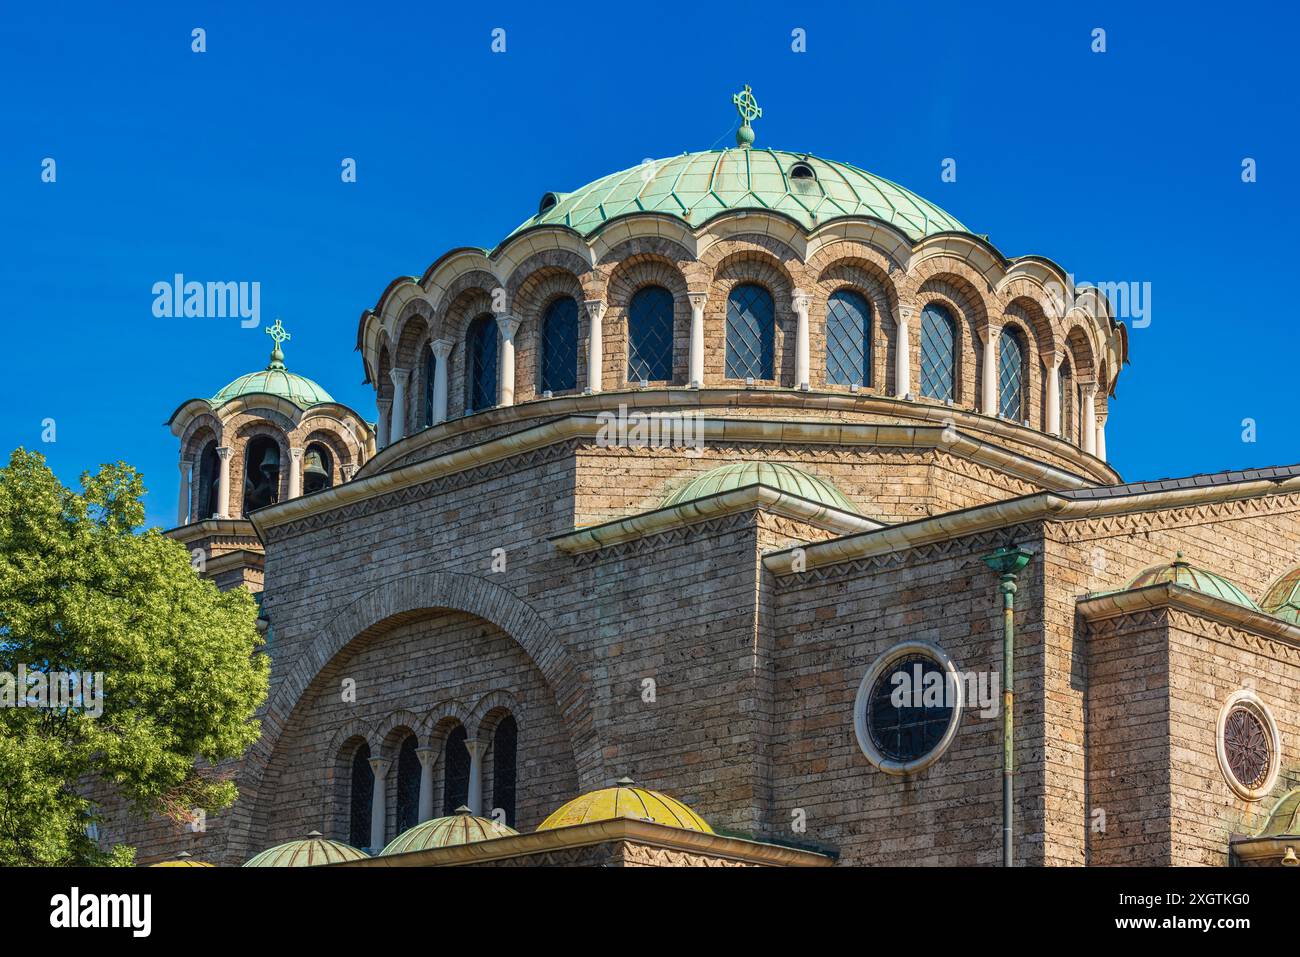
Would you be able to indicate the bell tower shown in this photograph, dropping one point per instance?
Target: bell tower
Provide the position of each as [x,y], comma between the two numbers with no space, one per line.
[268,436]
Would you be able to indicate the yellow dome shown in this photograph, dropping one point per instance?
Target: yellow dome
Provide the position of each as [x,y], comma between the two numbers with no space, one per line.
[626,800]
[459,828]
[183,859]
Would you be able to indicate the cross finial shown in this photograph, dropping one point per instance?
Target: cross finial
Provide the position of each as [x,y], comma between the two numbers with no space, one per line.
[279,334]
[748,109]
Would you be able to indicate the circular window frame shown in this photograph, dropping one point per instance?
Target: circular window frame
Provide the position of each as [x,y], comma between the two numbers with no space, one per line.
[1254,704]
[881,664]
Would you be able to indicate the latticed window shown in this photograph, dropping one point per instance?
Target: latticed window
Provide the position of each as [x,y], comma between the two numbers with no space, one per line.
[363,792]
[560,346]
[1248,745]
[848,339]
[650,335]
[938,353]
[505,743]
[455,784]
[408,786]
[907,726]
[751,333]
[430,366]
[1011,375]
[481,349]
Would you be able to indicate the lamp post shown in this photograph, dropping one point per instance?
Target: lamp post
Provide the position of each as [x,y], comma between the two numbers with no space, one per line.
[1007,561]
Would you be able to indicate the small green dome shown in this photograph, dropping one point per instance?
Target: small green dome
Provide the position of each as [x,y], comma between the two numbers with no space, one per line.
[776,475]
[1283,599]
[695,187]
[1180,573]
[299,390]
[312,852]
[455,829]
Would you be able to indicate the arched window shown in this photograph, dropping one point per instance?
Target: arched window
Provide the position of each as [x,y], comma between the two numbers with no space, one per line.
[505,743]
[938,353]
[1066,386]
[560,346]
[430,367]
[408,786]
[751,333]
[208,485]
[1011,375]
[363,792]
[481,378]
[848,339]
[455,784]
[317,468]
[650,335]
[261,473]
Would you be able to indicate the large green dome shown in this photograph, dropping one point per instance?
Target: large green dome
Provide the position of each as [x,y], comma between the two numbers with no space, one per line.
[786,478]
[695,187]
[299,390]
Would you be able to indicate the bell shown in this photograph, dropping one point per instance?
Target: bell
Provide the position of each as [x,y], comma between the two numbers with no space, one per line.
[270,460]
[313,467]
[1289,859]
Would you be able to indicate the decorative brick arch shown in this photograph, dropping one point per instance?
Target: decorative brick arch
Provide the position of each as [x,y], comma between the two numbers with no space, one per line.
[389,605]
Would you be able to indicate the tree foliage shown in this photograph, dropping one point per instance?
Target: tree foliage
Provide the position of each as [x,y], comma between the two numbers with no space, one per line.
[84,589]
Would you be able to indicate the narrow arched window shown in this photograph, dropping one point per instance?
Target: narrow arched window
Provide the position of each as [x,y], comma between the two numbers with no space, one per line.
[209,487]
[650,335]
[408,786]
[751,333]
[1065,385]
[430,367]
[505,744]
[848,339]
[938,353]
[261,473]
[363,792]
[481,378]
[1011,375]
[560,346]
[455,783]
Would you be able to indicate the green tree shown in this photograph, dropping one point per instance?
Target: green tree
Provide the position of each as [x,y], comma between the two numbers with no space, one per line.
[85,590]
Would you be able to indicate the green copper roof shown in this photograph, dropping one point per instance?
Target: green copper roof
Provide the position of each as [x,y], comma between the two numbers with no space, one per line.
[461,827]
[311,852]
[1181,573]
[1285,816]
[275,380]
[786,478]
[1283,599]
[695,187]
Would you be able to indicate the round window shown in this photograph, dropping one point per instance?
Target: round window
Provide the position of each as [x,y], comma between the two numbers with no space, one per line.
[1248,745]
[908,708]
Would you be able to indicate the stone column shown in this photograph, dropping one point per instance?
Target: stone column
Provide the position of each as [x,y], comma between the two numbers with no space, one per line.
[384,406]
[295,472]
[696,374]
[378,810]
[477,750]
[1101,437]
[397,426]
[903,353]
[595,344]
[183,502]
[223,482]
[800,304]
[1088,418]
[428,760]
[441,353]
[508,325]
[989,402]
[1054,396]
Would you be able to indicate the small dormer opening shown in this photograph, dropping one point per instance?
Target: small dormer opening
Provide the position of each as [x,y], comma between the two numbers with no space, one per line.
[549,200]
[802,171]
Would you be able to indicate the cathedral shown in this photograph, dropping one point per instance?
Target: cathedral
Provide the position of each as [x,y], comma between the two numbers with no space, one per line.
[741,508]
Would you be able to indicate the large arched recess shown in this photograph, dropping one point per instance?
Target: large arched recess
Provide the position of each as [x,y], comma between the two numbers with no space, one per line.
[385,607]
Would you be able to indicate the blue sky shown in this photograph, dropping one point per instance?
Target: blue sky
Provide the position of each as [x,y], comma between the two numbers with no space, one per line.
[1122,166]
